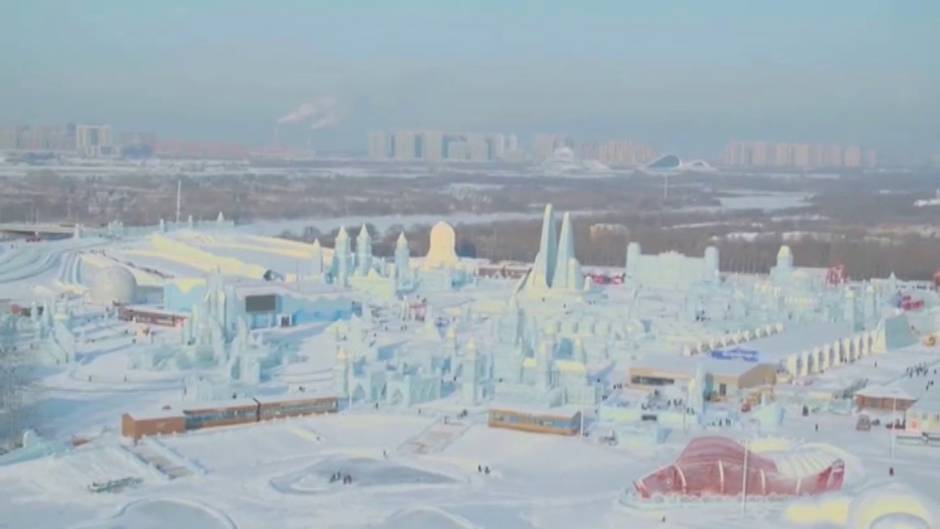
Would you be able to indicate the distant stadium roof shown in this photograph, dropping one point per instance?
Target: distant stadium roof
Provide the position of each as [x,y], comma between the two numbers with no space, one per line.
[669,161]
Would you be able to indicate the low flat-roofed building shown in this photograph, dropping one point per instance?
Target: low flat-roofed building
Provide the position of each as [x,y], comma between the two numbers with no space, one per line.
[222,413]
[275,407]
[721,376]
[152,315]
[884,399]
[159,423]
[924,415]
[265,304]
[167,420]
[562,420]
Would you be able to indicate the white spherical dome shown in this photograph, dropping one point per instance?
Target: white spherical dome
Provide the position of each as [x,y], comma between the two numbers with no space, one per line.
[114,285]
[563,154]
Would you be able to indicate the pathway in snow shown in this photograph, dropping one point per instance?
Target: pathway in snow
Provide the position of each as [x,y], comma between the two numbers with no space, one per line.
[436,437]
[170,463]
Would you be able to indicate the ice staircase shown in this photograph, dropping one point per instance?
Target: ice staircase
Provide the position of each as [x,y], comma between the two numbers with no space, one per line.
[436,437]
[167,461]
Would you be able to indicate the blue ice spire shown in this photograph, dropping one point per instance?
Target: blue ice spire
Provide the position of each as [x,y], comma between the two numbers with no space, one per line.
[363,252]
[565,255]
[317,258]
[544,268]
[341,258]
[402,259]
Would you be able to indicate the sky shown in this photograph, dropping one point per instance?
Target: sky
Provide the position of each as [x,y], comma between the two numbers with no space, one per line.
[680,76]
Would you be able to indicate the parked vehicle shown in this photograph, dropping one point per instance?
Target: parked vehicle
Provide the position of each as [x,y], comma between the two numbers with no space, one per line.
[863,424]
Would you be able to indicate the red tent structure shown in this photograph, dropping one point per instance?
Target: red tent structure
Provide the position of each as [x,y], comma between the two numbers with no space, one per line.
[715,466]
[836,275]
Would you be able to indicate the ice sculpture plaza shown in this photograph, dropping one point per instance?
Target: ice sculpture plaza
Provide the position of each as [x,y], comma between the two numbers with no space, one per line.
[196,375]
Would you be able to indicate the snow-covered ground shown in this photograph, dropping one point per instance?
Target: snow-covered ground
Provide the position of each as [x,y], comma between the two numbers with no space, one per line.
[279,473]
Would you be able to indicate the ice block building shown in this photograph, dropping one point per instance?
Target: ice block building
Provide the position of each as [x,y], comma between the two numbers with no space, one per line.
[262,304]
[361,271]
[411,376]
[535,369]
[671,270]
[342,265]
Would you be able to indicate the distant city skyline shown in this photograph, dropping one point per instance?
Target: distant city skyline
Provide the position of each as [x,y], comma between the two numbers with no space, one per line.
[98,140]
[686,77]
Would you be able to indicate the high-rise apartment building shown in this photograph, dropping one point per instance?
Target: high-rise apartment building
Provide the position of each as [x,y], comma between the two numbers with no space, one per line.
[458,150]
[479,146]
[379,145]
[437,146]
[853,156]
[759,154]
[546,144]
[433,141]
[7,138]
[834,156]
[616,153]
[93,140]
[783,155]
[802,156]
[404,145]
[38,137]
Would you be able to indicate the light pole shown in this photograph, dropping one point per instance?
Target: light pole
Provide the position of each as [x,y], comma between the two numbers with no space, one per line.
[744,481]
[894,409]
[582,421]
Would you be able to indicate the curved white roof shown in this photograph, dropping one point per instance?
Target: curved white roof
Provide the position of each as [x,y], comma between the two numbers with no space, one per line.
[114,285]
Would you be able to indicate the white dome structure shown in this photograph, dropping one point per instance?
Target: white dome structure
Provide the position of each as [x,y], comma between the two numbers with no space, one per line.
[563,154]
[113,285]
[442,252]
[671,163]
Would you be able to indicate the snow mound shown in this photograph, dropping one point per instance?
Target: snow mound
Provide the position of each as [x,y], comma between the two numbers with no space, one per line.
[879,506]
[163,513]
[426,518]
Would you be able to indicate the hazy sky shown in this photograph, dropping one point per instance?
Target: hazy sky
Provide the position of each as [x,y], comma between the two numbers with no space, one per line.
[678,75]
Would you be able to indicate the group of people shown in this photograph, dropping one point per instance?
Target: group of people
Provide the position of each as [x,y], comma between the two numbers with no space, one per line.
[657,402]
[725,422]
[483,469]
[919,370]
[339,476]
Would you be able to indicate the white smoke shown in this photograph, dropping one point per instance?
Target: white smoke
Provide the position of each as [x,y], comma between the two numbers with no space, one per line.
[320,113]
